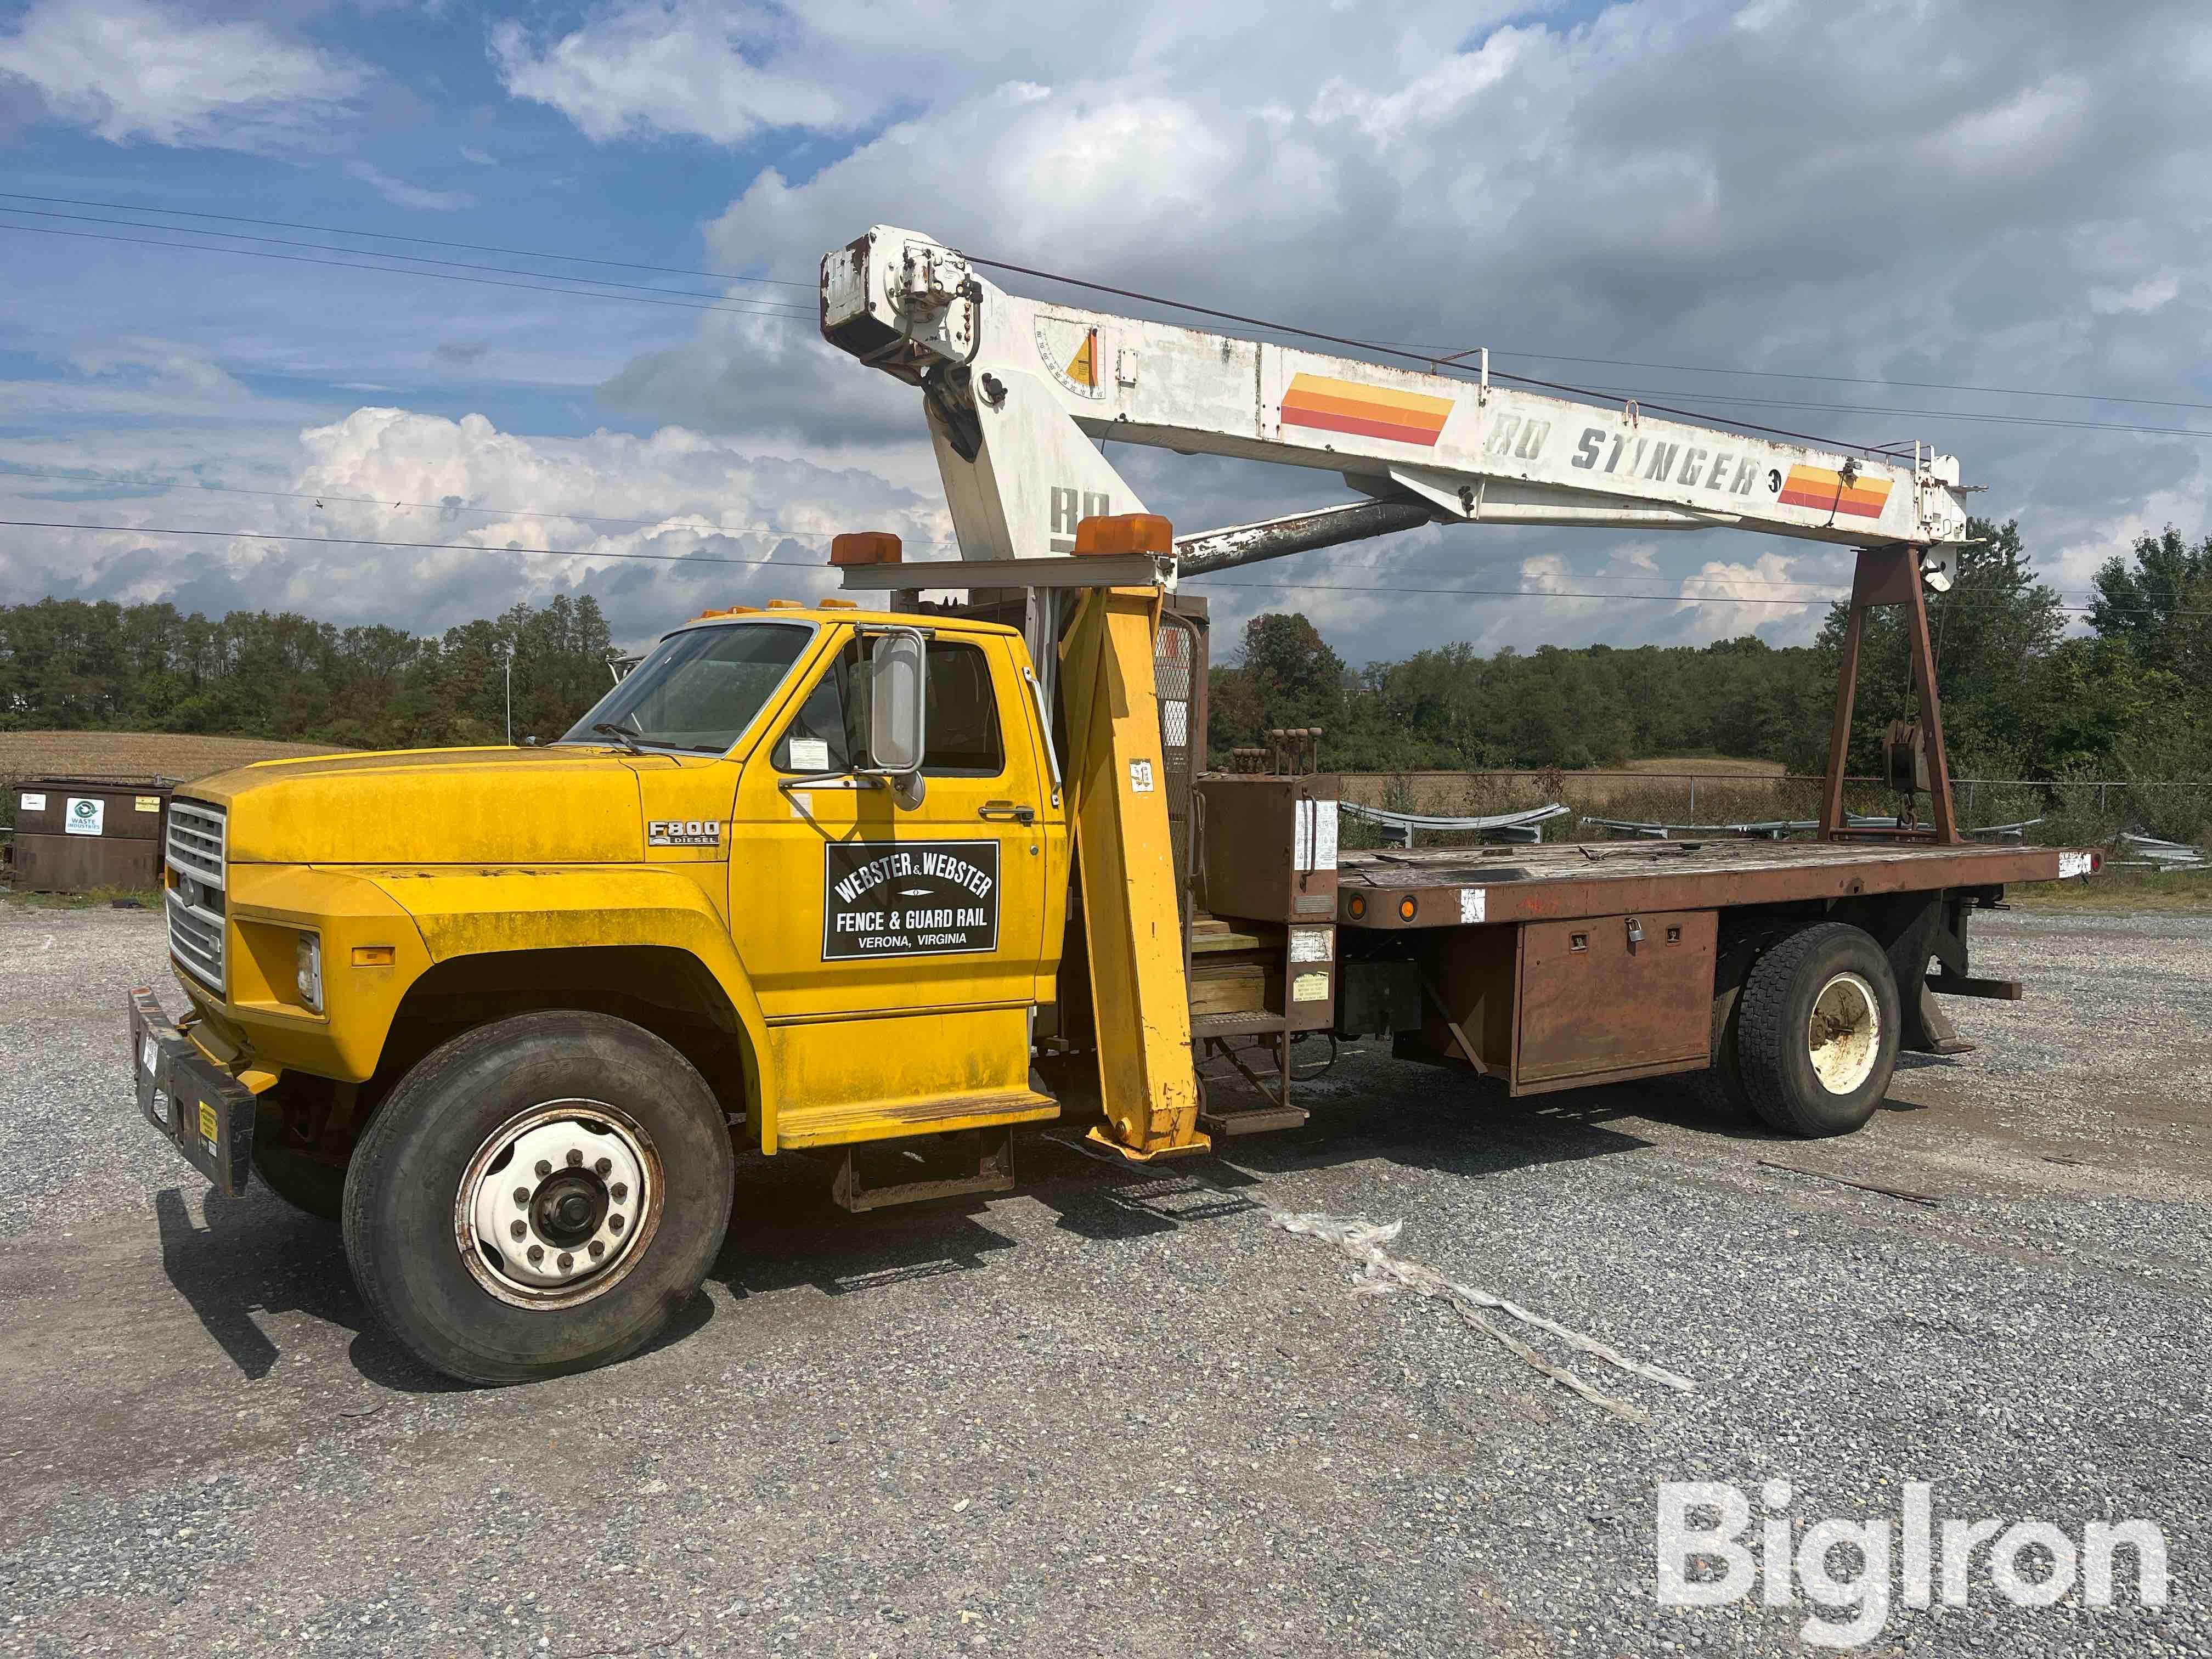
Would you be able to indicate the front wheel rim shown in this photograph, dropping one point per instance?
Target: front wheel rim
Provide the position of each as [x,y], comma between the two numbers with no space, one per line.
[559,1204]
[1843,1034]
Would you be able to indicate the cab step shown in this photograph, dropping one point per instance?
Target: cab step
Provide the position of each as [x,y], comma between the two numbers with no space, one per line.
[1258,1120]
[797,1128]
[881,1173]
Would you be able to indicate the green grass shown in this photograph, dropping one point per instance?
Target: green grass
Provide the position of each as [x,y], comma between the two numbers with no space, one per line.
[98,898]
[2122,892]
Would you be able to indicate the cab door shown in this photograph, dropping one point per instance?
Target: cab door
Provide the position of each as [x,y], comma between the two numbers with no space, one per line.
[896,951]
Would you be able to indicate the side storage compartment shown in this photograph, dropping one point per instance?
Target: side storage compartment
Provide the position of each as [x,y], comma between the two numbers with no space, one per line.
[1604,999]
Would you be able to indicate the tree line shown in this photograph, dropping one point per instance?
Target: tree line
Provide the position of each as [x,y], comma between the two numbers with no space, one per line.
[2131,698]
[71,664]
[2021,697]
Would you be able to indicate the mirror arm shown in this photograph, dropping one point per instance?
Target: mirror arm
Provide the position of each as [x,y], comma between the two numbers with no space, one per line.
[834,780]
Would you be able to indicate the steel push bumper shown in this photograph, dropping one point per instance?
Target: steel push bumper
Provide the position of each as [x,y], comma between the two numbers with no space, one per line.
[201,1109]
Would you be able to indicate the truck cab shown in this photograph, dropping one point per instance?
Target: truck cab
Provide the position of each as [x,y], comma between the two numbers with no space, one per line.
[802,874]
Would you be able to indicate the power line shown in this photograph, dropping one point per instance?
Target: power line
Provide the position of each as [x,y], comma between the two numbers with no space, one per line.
[1820,589]
[1441,364]
[420,258]
[7,470]
[733,276]
[1429,359]
[1854,380]
[742,308]
[922,568]
[1943,414]
[387,236]
[680,299]
[424,547]
[1837,596]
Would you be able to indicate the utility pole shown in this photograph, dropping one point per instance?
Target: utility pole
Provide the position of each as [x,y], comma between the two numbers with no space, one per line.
[510,694]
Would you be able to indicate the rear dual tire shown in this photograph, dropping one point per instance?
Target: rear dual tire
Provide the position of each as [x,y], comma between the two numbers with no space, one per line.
[538,1196]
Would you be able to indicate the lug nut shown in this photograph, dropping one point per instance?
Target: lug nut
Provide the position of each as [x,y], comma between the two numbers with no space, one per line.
[575,1157]
[603,1166]
[522,1194]
[615,1223]
[519,1230]
[619,1192]
[537,1254]
[597,1249]
[566,1261]
[543,1169]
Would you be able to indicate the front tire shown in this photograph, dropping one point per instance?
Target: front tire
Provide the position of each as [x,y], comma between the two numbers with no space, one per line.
[538,1196]
[1817,1031]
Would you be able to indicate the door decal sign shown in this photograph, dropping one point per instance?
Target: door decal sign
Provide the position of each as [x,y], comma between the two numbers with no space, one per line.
[909,898]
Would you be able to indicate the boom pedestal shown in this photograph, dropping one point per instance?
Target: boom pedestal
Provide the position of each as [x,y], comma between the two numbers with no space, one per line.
[1132,922]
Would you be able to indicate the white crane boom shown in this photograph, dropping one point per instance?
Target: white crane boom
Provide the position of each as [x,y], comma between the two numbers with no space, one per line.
[1017,390]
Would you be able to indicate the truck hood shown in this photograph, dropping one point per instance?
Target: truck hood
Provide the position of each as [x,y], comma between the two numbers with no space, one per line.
[564,805]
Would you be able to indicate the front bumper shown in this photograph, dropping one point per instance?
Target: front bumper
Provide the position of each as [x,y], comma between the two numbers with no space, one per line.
[202,1110]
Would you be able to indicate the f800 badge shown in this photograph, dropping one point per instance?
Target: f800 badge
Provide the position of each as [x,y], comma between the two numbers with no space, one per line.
[684,832]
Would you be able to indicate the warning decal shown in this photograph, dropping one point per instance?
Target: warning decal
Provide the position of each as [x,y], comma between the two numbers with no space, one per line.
[909,898]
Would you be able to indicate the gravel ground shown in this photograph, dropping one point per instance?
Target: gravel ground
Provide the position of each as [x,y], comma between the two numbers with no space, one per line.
[1116,1413]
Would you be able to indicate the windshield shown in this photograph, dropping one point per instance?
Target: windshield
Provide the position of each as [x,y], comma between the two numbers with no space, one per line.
[697,690]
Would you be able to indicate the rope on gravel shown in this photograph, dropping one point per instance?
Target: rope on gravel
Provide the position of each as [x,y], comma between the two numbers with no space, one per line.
[1381,1274]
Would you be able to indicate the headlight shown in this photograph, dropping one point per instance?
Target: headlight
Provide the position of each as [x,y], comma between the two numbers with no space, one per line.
[310,959]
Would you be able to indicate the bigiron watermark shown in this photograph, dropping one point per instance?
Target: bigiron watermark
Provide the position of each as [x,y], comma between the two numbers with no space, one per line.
[1856,1572]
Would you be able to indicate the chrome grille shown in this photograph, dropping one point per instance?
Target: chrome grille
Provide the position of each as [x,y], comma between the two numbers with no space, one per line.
[195,840]
[196,941]
[195,897]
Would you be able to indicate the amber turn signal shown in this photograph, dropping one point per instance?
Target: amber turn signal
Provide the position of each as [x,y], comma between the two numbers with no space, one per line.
[865,547]
[1124,533]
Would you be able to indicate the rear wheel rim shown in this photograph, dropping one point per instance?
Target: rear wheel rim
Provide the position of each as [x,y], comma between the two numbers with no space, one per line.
[1843,1034]
[559,1204]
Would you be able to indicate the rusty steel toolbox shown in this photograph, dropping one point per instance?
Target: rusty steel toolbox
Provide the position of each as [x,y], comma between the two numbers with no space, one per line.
[204,1112]
[1267,847]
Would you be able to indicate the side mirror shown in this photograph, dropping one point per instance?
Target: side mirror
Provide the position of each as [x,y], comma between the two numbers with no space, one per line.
[898,682]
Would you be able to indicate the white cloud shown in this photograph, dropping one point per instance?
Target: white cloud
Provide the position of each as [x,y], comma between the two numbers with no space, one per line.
[672,66]
[1667,181]
[132,69]
[655,526]
[400,194]
[1866,190]
[2140,298]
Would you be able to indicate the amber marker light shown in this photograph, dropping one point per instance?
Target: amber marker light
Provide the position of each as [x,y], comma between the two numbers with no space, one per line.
[1406,908]
[1357,907]
[372,956]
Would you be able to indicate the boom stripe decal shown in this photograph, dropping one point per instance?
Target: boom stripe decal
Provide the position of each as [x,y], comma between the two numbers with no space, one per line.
[1823,491]
[1368,411]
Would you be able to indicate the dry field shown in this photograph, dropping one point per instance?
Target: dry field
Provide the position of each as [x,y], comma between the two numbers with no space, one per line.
[136,754]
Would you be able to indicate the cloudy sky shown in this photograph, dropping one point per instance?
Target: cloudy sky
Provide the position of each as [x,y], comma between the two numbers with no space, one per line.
[1983,225]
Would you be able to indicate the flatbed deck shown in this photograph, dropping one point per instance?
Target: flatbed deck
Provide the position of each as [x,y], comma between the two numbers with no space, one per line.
[1473,886]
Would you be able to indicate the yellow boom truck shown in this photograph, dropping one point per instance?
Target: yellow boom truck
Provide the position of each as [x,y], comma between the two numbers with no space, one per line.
[879,879]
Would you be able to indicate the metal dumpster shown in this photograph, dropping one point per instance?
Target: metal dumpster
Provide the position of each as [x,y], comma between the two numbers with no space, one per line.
[74,834]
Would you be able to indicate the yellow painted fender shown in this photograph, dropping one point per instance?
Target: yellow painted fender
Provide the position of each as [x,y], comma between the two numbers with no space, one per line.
[476,912]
